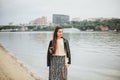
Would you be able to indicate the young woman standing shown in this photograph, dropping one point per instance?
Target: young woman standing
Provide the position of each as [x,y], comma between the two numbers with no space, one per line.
[58,56]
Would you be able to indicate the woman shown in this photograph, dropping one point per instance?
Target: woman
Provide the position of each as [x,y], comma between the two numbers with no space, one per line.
[58,56]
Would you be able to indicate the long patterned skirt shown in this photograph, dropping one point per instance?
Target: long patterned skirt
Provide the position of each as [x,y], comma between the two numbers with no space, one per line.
[57,69]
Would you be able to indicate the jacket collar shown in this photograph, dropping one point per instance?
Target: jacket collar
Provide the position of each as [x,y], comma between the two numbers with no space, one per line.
[64,39]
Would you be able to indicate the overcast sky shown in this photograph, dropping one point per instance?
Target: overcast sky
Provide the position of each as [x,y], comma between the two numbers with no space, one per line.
[23,11]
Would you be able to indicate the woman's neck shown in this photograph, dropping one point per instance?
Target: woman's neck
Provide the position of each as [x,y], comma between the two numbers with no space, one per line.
[59,38]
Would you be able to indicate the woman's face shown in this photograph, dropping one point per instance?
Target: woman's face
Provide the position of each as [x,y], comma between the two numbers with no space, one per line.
[59,33]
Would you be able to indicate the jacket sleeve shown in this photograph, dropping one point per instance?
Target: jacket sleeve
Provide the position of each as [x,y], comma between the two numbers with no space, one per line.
[48,54]
[68,52]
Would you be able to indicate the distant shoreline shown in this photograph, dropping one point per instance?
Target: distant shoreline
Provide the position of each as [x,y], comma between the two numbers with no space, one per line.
[68,31]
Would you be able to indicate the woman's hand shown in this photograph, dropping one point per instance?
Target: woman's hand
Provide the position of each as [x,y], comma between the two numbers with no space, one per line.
[66,65]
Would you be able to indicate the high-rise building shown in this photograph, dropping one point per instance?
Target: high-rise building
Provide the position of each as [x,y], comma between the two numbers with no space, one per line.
[60,19]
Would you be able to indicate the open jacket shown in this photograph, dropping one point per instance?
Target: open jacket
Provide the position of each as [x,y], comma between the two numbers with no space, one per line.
[67,48]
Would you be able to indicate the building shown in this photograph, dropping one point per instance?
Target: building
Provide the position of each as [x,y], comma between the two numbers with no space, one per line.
[77,19]
[104,28]
[39,21]
[60,19]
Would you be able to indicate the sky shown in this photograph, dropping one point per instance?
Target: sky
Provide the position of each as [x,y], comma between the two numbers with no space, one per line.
[23,11]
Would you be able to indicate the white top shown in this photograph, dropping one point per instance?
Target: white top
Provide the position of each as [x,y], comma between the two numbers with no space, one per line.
[60,51]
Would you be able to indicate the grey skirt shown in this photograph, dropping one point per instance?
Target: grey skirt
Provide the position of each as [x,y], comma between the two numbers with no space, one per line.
[57,69]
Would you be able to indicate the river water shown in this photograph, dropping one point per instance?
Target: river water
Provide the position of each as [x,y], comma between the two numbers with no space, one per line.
[95,55]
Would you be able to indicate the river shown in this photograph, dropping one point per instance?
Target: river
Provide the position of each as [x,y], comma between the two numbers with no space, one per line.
[94,55]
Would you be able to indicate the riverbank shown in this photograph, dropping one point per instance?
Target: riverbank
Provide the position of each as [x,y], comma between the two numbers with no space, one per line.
[12,69]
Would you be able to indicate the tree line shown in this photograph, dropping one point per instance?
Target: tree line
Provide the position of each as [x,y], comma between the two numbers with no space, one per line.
[112,24]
